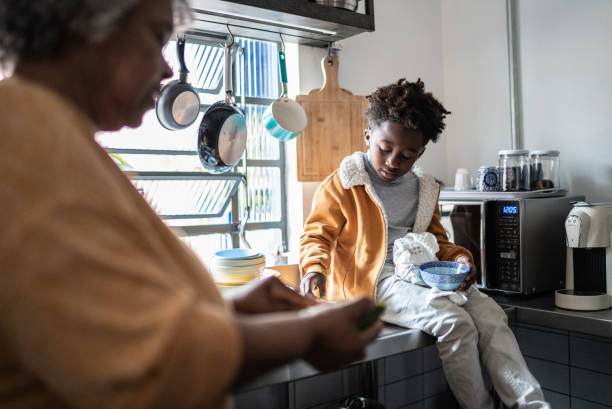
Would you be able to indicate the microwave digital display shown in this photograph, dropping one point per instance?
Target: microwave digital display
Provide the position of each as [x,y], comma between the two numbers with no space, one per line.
[509,209]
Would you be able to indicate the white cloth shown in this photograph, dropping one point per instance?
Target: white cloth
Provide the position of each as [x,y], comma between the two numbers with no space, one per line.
[412,250]
[464,334]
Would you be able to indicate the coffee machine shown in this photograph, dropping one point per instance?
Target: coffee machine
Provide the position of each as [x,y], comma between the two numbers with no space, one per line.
[588,272]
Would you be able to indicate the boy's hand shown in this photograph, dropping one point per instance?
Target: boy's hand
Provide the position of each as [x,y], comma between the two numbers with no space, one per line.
[472,275]
[269,295]
[313,284]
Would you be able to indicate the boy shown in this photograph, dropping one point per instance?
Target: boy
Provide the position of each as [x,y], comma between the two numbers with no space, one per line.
[375,198]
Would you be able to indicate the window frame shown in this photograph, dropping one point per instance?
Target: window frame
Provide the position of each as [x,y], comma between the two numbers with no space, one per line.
[233,227]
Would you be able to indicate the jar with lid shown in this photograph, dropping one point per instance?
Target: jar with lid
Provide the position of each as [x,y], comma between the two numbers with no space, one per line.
[514,170]
[544,170]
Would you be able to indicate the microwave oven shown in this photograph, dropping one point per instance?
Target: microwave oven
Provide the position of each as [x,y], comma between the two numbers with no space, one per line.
[517,239]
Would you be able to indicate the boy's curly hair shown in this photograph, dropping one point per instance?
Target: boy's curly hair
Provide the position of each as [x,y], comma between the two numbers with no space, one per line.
[408,104]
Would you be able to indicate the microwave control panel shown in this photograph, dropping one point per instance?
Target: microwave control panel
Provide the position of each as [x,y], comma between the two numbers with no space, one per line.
[507,260]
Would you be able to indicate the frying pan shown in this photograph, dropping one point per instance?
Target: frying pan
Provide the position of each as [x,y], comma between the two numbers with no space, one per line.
[178,105]
[223,130]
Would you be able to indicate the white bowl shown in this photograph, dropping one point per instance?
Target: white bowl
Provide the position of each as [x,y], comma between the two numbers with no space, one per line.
[236,275]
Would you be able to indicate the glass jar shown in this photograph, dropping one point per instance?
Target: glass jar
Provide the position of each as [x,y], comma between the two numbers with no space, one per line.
[545,170]
[514,170]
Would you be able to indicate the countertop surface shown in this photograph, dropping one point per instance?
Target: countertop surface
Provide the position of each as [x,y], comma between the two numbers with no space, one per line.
[541,310]
[392,340]
[535,310]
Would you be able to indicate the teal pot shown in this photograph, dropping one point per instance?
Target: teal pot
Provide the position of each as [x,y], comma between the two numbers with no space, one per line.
[284,119]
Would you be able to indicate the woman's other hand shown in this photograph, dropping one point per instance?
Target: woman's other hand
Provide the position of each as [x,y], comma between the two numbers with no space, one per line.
[338,341]
[472,275]
[313,284]
[327,336]
[269,295]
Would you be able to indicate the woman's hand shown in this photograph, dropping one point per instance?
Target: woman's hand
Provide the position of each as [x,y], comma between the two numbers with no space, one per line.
[313,284]
[269,295]
[338,341]
[327,336]
[472,275]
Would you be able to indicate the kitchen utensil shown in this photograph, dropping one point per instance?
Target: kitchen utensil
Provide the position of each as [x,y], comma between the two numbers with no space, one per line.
[335,126]
[284,118]
[178,105]
[443,275]
[223,131]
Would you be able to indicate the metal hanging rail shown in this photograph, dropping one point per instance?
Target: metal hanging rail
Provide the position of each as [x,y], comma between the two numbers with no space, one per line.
[514,71]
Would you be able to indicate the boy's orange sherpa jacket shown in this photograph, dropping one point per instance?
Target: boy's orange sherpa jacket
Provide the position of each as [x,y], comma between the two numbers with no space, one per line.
[345,234]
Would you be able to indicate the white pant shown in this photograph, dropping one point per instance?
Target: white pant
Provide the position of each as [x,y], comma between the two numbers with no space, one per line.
[461,332]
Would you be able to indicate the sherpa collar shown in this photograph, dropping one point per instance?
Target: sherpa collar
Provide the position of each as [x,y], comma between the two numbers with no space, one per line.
[352,173]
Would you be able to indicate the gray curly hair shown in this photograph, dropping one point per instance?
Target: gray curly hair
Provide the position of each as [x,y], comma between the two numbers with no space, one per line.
[31,30]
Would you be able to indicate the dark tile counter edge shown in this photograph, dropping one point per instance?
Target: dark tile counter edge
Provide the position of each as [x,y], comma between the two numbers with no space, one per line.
[392,340]
[540,310]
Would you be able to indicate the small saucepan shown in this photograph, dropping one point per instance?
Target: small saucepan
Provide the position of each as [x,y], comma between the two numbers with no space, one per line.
[178,105]
[223,130]
[284,118]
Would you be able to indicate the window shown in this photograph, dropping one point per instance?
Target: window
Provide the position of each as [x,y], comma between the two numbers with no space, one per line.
[164,164]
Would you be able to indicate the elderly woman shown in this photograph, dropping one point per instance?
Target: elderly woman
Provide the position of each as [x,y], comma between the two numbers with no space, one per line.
[100,304]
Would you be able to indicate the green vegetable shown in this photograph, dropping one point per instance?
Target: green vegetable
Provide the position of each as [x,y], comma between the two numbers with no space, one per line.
[370,317]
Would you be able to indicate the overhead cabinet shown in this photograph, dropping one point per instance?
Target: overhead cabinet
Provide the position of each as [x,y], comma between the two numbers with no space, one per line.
[300,21]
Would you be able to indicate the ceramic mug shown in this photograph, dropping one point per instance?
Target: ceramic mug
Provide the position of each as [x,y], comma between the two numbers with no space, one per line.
[488,179]
[463,180]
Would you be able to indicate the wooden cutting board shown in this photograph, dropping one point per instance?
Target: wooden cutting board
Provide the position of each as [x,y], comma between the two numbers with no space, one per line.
[336,122]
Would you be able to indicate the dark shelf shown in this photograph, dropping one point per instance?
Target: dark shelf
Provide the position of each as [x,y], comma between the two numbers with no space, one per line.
[299,21]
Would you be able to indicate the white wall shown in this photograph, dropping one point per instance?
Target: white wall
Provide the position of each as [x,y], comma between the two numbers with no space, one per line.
[566,51]
[475,70]
[566,85]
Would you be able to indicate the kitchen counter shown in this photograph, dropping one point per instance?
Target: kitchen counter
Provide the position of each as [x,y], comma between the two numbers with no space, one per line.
[541,310]
[535,310]
[392,340]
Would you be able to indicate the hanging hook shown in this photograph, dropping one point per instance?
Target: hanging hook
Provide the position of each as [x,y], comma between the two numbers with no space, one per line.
[282,42]
[231,35]
[330,54]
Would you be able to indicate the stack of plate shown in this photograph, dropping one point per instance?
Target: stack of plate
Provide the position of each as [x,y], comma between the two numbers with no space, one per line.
[234,267]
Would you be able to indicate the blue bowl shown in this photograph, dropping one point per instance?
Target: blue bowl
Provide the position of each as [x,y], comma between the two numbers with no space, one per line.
[238,254]
[444,275]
